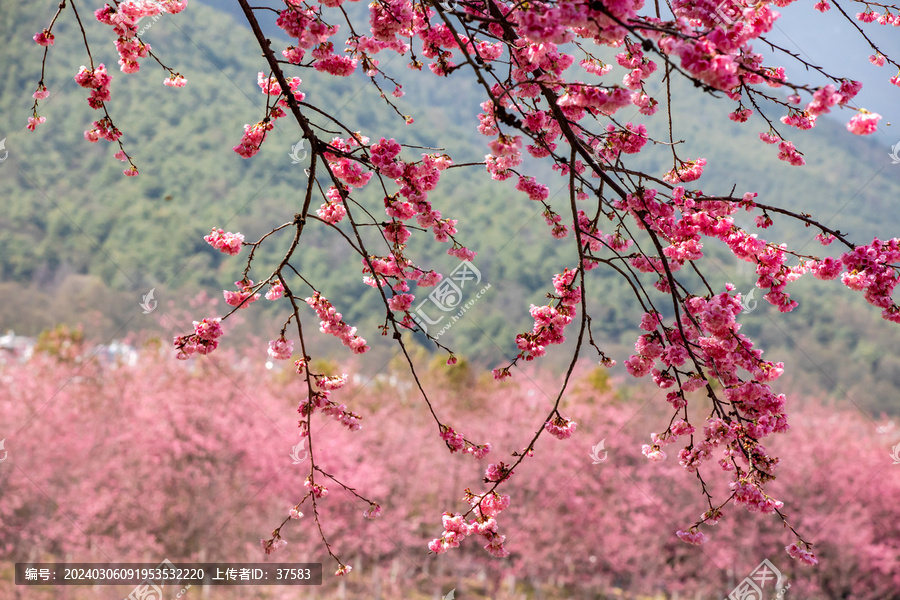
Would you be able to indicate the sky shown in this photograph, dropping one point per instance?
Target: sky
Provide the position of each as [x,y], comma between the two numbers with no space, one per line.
[829,41]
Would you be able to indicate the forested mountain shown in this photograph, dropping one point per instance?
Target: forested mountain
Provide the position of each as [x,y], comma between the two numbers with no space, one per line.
[82,243]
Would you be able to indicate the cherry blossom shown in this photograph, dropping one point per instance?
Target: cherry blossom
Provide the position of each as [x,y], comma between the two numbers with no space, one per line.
[226,242]
[864,123]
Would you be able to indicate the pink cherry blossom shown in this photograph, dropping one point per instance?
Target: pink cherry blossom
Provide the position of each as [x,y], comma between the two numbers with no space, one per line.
[865,123]
[44,38]
[175,81]
[693,536]
[33,122]
[226,242]
[281,349]
[276,290]
[401,302]
[244,297]
[209,328]
[804,556]
[332,323]
[560,427]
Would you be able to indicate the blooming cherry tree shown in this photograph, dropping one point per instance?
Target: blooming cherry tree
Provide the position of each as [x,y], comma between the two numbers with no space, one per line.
[548,95]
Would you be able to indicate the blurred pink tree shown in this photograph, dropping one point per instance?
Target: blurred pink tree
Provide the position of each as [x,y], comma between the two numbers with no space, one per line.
[187,473]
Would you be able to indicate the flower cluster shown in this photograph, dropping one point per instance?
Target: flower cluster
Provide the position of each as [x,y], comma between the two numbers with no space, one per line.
[709,335]
[97,80]
[244,297]
[653,452]
[456,442]
[343,165]
[276,290]
[550,321]
[692,536]
[203,341]
[273,544]
[304,25]
[321,400]
[332,210]
[864,123]
[456,529]
[227,242]
[750,495]
[124,19]
[872,268]
[560,427]
[629,140]
[103,129]
[319,491]
[332,323]
[44,38]
[496,473]
[175,80]
[802,554]
[687,171]
[281,349]
[535,191]
[253,137]
[334,382]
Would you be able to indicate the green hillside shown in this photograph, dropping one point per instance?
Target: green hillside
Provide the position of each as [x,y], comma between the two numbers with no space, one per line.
[82,243]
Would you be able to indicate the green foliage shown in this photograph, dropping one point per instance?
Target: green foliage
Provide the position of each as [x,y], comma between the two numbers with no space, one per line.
[598,380]
[63,342]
